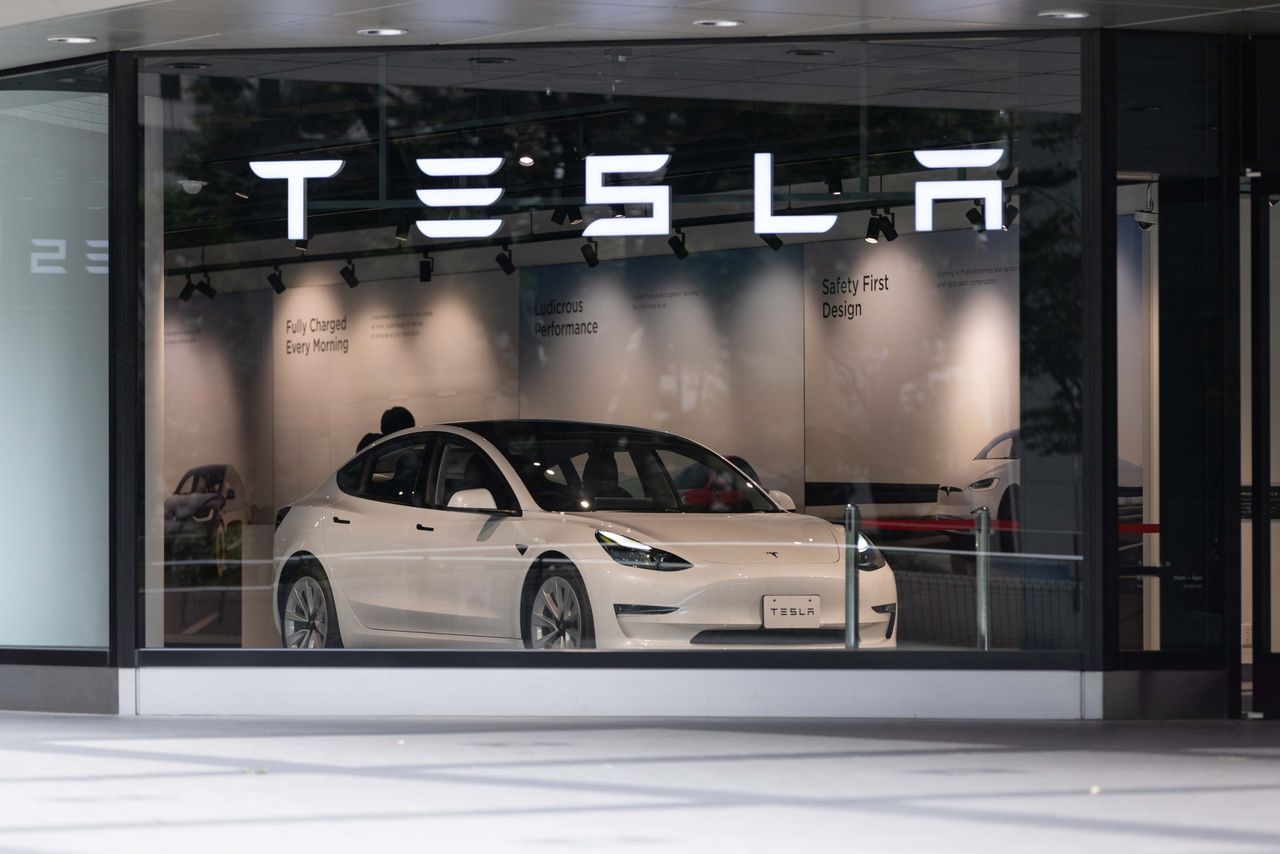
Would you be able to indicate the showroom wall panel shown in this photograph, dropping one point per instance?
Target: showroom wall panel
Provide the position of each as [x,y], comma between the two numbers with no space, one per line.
[53,359]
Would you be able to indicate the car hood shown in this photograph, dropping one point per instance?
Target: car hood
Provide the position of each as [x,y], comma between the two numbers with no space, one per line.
[785,538]
[186,506]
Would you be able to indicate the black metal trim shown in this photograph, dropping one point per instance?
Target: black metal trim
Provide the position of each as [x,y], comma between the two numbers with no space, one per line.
[494,47]
[1229,235]
[125,365]
[1098,301]
[53,656]
[620,659]
[55,64]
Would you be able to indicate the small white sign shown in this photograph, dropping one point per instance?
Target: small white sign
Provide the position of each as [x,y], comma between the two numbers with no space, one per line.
[792,612]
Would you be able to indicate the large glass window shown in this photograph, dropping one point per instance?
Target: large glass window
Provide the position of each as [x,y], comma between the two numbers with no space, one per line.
[53,358]
[671,314]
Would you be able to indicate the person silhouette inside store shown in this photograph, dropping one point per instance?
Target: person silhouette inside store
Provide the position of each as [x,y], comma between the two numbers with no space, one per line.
[394,420]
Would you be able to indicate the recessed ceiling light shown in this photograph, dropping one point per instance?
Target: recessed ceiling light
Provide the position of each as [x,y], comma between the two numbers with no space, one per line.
[71,39]
[189,66]
[1063,14]
[381,31]
[717,22]
[491,60]
[525,160]
[809,51]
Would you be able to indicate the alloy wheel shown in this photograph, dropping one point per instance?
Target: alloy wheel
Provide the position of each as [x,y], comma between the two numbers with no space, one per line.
[555,618]
[306,615]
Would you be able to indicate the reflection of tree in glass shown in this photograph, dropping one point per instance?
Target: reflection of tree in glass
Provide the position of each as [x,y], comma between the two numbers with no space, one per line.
[1052,366]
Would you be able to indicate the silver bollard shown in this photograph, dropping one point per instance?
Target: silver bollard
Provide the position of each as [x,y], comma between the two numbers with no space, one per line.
[982,572]
[852,524]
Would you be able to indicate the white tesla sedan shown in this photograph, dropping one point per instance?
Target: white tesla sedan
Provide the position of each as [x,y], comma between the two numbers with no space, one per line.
[553,534]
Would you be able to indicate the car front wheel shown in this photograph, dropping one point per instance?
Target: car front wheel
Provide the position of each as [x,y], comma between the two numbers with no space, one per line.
[558,615]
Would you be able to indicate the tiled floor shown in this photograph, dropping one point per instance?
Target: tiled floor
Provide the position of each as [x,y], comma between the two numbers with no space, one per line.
[72,784]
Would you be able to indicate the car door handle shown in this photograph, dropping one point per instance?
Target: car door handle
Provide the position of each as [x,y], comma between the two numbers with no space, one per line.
[422,527]
[339,520]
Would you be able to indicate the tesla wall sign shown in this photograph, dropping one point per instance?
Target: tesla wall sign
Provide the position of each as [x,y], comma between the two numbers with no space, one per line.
[657,197]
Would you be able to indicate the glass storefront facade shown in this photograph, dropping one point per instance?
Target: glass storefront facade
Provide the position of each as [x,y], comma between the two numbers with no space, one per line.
[673,353]
[748,269]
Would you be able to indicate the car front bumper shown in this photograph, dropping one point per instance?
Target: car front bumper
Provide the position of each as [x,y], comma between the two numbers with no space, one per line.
[722,606]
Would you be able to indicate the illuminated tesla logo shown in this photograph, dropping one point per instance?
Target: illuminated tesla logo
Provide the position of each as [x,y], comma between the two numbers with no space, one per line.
[990,191]
[655,197]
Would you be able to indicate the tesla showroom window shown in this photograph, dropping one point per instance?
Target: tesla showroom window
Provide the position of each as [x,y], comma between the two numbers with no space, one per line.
[714,347]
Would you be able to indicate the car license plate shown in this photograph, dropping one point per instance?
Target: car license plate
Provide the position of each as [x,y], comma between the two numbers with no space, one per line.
[792,612]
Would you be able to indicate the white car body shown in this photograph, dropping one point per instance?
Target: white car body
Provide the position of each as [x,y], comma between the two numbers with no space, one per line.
[458,576]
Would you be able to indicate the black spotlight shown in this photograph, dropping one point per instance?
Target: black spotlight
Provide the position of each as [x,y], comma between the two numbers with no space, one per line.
[976,217]
[888,226]
[835,183]
[402,228]
[204,287]
[873,228]
[187,289]
[618,211]
[677,244]
[300,245]
[505,261]
[774,241]
[348,274]
[426,267]
[276,281]
[560,214]
[589,254]
[1010,215]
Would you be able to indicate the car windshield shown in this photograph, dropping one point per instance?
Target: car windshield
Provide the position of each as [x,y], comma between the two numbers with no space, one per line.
[581,468]
[199,482]
[1002,447]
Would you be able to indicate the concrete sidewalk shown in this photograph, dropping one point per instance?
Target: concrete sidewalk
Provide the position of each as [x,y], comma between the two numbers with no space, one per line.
[101,784]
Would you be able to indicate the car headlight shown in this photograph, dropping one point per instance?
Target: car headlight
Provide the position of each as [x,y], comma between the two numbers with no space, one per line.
[629,552]
[985,483]
[868,557]
[205,514]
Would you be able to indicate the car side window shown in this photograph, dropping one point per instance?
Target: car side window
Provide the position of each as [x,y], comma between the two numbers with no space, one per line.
[234,486]
[461,465]
[351,476]
[389,472]
[393,473]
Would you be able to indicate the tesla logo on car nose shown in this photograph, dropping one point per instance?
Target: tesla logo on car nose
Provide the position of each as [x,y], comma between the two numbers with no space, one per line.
[775,554]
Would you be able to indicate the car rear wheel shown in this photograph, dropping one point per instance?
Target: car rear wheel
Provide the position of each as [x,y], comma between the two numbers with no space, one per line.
[307,617]
[558,615]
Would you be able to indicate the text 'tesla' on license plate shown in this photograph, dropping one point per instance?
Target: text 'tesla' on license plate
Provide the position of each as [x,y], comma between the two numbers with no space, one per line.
[792,612]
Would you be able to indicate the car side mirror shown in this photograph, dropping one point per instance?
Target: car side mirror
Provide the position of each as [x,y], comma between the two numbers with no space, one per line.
[472,499]
[782,499]
[231,495]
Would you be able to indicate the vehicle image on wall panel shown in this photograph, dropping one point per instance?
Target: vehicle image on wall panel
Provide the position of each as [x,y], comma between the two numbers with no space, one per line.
[557,534]
[993,479]
[204,519]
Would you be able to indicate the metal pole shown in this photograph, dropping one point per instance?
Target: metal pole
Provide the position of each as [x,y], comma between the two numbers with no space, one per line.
[852,523]
[982,548]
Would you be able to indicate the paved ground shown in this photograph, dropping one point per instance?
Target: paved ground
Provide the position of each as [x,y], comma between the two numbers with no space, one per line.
[179,785]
